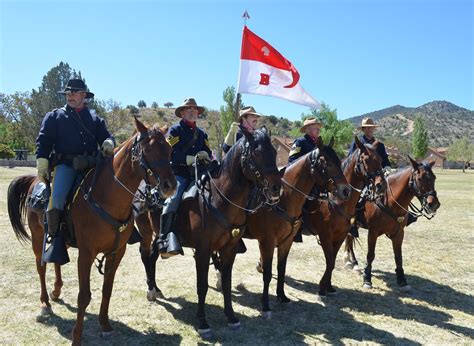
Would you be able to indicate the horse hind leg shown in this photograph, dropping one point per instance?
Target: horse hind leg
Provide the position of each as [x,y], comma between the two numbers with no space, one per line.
[149,258]
[397,250]
[58,284]
[226,264]
[202,257]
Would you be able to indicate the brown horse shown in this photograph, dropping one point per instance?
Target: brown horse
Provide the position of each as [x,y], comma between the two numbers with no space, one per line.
[214,221]
[330,220]
[318,171]
[390,216]
[144,156]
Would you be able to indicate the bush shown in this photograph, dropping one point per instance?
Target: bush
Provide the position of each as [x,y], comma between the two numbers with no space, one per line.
[6,152]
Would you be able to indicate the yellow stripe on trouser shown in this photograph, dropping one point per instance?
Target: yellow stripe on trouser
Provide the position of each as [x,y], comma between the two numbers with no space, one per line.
[50,203]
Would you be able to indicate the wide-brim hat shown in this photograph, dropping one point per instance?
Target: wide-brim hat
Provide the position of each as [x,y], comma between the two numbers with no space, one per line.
[189,102]
[77,85]
[248,111]
[367,122]
[309,122]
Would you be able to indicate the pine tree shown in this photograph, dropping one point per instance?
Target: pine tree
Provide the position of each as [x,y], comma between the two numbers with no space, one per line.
[420,138]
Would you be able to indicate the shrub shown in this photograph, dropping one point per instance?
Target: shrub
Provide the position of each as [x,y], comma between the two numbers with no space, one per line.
[6,152]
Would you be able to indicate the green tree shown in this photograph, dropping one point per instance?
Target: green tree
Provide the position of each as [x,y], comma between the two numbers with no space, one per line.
[141,104]
[154,105]
[461,150]
[341,130]
[168,104]
[6,152]
[229,111]
[420,138]
[133,110]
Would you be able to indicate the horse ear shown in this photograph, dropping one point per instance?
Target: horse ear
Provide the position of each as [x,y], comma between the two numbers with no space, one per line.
[164,129]
[360,145]
[331,142]
[319,143]
[413,162]
[139,125]
[431,163]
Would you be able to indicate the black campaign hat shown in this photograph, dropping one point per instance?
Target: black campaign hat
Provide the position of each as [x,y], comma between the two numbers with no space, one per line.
[76,85]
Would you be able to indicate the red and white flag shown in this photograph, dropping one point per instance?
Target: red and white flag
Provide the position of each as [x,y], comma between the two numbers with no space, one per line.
[264,71]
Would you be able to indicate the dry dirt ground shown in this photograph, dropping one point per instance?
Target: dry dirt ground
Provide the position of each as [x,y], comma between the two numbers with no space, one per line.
[437,261]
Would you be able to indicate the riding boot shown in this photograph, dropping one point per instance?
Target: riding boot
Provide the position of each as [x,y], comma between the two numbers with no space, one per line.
[135,237]
[168,243]
[241,248]
[298,236]
[57,251]
[411,218]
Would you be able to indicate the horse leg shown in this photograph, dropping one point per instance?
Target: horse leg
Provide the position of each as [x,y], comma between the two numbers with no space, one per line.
[328,250]
[58,284]
[37,244]
[149,256]
[202,257]
[371,242]
[397,251]
[111,264]
[283,251]
[226,263]
[266,259]
[84,261]
[350,259]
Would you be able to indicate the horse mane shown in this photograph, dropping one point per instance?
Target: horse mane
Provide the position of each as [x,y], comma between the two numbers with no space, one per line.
[348,160]
[331,154]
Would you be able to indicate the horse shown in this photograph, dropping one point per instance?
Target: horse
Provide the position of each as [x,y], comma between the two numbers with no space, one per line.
[101,215]
[317,171]
[330,219]
[214,221]
[389,216]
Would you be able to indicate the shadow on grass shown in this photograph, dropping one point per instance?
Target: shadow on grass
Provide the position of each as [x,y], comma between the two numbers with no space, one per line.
[390,304]
[124,335]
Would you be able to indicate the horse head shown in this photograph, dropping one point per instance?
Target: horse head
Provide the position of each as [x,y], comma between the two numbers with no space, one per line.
[369,165]
[422,184]
[326,160]
[258,163]
[151,158]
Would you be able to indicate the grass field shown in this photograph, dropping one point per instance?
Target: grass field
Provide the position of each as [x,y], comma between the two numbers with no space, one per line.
[438,262]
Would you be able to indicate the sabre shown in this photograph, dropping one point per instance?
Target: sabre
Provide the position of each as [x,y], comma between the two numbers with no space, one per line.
[45,223]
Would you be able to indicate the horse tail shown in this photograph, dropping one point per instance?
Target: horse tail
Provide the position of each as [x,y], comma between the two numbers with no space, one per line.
[16,200]
[349,243]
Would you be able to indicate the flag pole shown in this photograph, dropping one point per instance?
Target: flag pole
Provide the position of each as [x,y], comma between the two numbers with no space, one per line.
[245,16]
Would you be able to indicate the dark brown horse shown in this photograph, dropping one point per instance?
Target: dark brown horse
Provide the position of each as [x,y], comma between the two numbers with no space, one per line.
[318,171]
[214,221]
[330,219]
[144,156]
[389,216]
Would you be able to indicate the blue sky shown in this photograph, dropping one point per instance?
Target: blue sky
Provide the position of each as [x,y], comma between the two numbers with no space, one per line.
[357,56]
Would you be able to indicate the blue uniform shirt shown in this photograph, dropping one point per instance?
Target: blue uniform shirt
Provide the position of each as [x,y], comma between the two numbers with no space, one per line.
[301,146]
[380,149]
[178,137]
[61,131]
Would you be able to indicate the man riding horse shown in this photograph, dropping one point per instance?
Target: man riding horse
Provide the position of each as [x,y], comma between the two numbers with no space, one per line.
[67,133]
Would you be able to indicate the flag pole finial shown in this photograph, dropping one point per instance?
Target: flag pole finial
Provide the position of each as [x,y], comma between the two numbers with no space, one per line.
[245,16]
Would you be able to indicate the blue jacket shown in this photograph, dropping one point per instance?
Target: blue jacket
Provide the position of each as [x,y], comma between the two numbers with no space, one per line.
[301,146]
[178,137]
[61,131]
[380,149]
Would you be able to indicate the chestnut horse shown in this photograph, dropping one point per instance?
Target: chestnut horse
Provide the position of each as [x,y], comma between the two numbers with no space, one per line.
[214,221]
[390,216]
[146,156]
[317,171]
[330,220]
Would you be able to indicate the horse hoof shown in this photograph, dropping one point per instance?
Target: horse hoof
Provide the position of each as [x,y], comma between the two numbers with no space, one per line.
[266,315]
[44,314]
[205,333]
[218,281]
[153,295]
[107,335]
[321,300]
[234,326]
[259,267]
[367,285]
[54,297]
[358,269]
[406,288]
[283,299]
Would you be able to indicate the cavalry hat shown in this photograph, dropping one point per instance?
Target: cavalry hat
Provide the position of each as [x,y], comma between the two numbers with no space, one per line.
[189,102]
[248,111]
[308,122]
[77,85]
[367,122]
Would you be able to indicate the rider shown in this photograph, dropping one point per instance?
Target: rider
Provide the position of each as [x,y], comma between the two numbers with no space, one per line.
[188,142]
[65,134]
[303,145]
[248,119]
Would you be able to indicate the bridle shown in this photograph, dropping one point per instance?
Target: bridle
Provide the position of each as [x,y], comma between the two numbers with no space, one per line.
[422,197]
[369,177]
